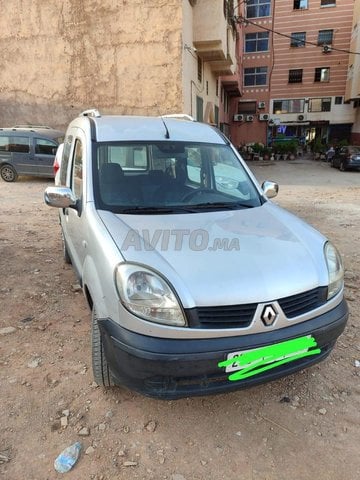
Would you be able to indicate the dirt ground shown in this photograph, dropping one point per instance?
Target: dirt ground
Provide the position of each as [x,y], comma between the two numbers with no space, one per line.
[305,426]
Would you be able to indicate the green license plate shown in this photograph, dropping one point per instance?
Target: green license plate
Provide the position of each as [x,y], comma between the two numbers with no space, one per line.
[247,363]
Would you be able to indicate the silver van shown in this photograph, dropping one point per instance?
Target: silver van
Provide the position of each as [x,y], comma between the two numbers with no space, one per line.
[197,282]
[28,151]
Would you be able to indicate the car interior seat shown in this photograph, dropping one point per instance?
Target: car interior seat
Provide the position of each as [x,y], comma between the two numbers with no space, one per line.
[115,187]
[174,188]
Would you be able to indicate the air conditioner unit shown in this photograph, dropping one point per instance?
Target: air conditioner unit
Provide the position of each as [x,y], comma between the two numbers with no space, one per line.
[261,104]
[238,118]
[301,118]
[264,117]
[249,118]
[326,49]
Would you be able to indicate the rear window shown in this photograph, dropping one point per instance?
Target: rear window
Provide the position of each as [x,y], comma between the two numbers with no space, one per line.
[14,144]
[129,157]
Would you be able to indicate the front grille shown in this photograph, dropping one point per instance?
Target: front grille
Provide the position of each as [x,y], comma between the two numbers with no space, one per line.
[228,316]
[303,302]
[241,316]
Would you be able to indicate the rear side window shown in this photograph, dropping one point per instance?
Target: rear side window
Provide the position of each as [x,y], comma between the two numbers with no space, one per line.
[45,147]
[19,144]
[14,144]
[4,144]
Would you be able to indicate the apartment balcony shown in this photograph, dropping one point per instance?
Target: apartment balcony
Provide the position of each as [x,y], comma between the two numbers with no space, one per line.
[222,67]
[211,37]
[231,45]
[231,85]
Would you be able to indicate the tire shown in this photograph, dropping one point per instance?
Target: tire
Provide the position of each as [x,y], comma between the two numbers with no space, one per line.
[101,372]
[342,167]
[8,173]
[66,255]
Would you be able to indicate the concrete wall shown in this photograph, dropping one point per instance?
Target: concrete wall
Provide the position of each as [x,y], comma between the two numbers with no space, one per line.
[192,87]
[353,78]
[59,58]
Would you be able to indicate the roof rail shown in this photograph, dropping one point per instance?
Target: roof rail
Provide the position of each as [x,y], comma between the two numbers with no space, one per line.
[180,116]
[92,112]
[44,127]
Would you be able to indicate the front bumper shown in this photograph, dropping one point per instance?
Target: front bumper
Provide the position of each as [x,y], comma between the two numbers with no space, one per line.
[170,368]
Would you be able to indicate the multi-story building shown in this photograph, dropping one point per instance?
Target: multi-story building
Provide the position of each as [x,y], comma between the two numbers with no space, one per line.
[211,30]
[130,57]
[294,71]
[353,77]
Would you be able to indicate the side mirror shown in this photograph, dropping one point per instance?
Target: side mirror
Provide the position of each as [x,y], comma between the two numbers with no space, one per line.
[60,197]
[270,189]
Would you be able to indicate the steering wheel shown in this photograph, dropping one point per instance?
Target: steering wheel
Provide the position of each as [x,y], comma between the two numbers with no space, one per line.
[199,191]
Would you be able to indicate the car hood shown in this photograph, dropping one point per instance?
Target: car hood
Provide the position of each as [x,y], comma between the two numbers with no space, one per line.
[225,257]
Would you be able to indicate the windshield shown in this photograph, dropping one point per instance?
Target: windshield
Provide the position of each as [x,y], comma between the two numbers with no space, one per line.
[170,177]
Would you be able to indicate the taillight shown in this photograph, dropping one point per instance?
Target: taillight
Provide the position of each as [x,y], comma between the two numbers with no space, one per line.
[56,166]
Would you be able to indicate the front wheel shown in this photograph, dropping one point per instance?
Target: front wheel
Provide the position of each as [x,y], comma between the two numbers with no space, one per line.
[8,173]
[101,372]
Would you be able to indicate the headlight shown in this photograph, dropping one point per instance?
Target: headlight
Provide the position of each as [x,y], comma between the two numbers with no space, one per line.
[335,268]
[147,295]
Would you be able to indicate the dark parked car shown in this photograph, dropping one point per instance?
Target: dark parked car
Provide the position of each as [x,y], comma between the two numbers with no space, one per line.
[28,151]
[347,158]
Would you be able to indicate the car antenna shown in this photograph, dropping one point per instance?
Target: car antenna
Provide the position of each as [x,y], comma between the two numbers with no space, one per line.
[167,134]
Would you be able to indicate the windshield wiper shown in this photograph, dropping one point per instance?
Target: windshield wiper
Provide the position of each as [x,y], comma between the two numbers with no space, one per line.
[154,210]
[222,205]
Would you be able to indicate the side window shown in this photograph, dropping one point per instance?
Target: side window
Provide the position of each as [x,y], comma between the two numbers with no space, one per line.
[65,159]
[45,147]
[19,144]
[228,177]
[4,144]
[77,170]
[193,165]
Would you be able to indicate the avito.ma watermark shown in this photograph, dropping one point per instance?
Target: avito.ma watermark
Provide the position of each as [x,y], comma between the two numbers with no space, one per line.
[176,239]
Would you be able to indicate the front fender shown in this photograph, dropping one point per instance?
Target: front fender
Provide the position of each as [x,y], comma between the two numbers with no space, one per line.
[91,281]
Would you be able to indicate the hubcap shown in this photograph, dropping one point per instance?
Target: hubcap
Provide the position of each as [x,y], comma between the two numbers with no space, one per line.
[7,174]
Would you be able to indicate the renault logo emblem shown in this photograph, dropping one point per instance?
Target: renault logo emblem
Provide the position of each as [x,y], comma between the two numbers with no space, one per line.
[269,315]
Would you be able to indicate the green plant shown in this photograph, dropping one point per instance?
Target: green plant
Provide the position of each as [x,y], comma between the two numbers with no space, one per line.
[281,148]
[258,148]
[318,146]
[266,151]
[343,143]
[292,146]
